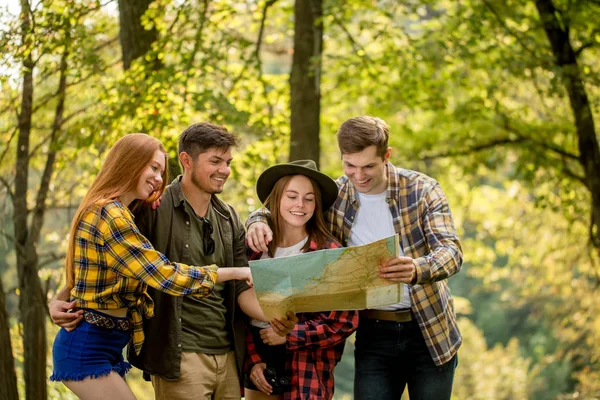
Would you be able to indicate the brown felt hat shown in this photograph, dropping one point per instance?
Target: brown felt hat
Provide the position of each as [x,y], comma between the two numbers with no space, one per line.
[271,175]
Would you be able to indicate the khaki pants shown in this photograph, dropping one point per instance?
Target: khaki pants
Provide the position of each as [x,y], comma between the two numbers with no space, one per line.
[203,377]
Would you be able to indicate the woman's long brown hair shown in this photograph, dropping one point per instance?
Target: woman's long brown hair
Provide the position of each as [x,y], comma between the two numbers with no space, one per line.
[315,227]
[119,175]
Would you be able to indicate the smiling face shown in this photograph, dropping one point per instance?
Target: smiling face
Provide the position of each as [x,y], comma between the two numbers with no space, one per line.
[366,170]
[210,170]
[297,204]
[151,177]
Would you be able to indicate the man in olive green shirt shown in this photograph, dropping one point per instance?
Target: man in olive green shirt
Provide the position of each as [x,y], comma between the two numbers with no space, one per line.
[195,347]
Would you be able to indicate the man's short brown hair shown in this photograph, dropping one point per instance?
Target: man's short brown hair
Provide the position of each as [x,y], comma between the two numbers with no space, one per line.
[358,133]
[199,138]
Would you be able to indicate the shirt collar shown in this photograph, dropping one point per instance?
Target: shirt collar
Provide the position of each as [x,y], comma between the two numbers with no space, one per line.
[126,209]
[179,198]
[176,192]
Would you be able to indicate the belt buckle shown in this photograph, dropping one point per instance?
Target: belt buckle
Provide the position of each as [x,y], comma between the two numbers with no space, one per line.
[123,325]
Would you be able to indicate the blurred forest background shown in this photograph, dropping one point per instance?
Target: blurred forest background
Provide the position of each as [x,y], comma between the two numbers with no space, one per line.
[497,99]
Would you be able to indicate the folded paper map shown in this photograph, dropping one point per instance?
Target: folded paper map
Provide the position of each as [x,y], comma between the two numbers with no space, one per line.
[326,280]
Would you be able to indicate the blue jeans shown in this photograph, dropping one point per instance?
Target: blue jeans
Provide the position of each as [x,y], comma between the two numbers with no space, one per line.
[391,355]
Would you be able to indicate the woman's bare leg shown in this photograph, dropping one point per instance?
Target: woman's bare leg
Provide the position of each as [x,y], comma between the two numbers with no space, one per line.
[111,387]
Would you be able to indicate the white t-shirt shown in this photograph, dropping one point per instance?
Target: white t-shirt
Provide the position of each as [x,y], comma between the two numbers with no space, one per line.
[280,252]
[287,251]
[374,221]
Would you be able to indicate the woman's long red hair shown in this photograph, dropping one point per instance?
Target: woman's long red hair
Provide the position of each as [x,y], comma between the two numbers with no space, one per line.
[119,175]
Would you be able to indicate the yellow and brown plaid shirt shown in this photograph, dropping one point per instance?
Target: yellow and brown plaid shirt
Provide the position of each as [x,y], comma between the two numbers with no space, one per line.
[423,220]
[114,263]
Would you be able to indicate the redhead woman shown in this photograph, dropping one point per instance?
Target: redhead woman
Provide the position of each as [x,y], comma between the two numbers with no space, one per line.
[299,365]
[109,266]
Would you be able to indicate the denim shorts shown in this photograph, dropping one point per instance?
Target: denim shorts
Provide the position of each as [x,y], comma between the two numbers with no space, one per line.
[89,351]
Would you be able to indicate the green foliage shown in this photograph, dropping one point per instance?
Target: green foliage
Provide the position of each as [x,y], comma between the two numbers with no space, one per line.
[499,372]
[475,81]
[472,98]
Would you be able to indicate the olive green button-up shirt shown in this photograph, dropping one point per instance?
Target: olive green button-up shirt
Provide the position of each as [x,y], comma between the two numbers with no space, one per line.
[169,229]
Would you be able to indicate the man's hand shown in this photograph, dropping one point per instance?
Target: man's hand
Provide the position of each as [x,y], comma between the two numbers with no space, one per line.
[283,326]
[258,236]
[58,312]
[399,269]
[269,337]
[257,374]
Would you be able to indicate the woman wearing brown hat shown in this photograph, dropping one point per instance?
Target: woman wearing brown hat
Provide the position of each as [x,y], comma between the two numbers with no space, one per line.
[299,365]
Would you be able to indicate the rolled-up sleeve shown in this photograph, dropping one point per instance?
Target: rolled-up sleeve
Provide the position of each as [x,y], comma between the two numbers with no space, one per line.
[130,254]
[445,256]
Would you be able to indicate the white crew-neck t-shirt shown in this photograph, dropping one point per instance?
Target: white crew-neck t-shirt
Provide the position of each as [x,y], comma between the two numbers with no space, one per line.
[374,221]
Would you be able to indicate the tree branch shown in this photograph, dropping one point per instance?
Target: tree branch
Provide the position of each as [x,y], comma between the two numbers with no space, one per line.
[192,56]
[565,60]
[7,236]
[44,100]
[474,149]
[258,59]
[507,29]
[263,19]
[584,46]
[7,148]
[67,118]
[49,258]
[39,145]
[38,213]
[567,171]
[257,49]
[47,74]
[544,145]
[8,187]
[353,42]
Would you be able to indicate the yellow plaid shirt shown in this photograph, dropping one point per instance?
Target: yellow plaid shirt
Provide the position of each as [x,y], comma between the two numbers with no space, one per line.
[423,221]
[114,263]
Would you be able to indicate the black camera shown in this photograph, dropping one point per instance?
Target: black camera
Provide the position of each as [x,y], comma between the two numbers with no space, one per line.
[280,384]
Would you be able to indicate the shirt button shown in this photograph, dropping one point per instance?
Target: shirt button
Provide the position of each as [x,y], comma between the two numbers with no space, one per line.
[187,222]
[187,246]
[179,345]
[179,320]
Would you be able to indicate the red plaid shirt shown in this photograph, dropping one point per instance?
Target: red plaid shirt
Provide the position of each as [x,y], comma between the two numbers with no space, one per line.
[314,347]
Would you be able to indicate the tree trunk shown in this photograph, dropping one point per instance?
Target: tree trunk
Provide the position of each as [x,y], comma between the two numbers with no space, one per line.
[136,41]
[305,80]
[31,301]
[566,61]
[8,378]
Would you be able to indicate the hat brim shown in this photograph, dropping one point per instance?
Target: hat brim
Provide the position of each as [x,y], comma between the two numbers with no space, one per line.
[266,181]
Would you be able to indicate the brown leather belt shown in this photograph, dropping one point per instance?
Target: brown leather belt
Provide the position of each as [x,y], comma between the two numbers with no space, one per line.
[397,316]
[106,321]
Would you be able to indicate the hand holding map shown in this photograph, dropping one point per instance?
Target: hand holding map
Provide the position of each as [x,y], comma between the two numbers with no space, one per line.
[327,280]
